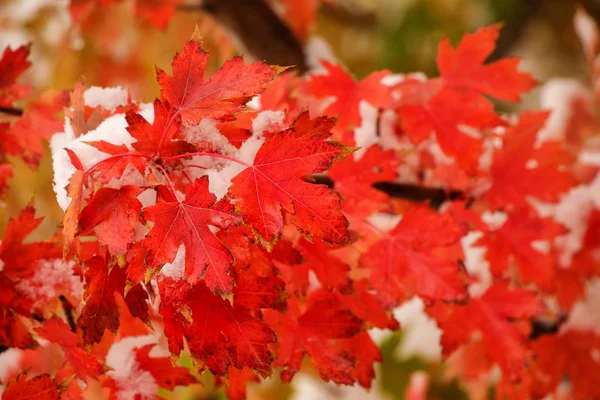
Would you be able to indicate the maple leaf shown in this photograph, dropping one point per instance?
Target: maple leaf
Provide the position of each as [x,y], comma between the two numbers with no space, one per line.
[256,282]
[165,374]
[406,263]
[309,331]
[220,333]
[570,354]
[513,241]
[521,168]
[41,387]
[186,223]
[38,122]
[20,259]
[100,311]
[83,118]
[456,98]
[238,379]
[348,93]
[464,67]
[158,136]
[491,314]
[13,332]
[331,272]
[112,214]
[84,364]
[74,191]
[218,97]
[12,65]
[354,179]
[276,182]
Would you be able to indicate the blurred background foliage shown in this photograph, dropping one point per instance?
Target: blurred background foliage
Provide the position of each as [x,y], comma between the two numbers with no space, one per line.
[112,47]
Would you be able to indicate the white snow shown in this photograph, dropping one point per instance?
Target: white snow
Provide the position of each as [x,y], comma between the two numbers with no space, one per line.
[175,269]
[109,98]
[383,221]
[9,364]
[130,379]
[421,333]
[494,219]
[219,180]
[51,279]
[585,314]
[556,95]
[112,130]
[207,133]
[475,262]
[366,134]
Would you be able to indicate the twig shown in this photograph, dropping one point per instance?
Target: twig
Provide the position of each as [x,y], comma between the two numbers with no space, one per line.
[11,111]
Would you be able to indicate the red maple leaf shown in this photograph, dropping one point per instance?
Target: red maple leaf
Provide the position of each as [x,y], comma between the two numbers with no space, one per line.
[348,94]
[162,370]
[514,242]
[276,182]
[112,214]
[456,98]
[100,311]
[41,387]
[491,315]
[521,168]
[38,122]
[405,262]
[571,354]
[160,135]
[257,284]
[309,329]
[186,223]
[218,97]
[21,259]
[219,333]
[464,68]
[12,65]
[354,180]
[84,364]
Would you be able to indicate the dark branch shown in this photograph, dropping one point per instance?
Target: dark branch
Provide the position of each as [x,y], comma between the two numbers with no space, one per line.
[541,327]
[11,111]
[254,23]
[436,197]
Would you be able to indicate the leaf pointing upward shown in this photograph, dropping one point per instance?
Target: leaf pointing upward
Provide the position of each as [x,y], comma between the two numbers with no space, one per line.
[275,183]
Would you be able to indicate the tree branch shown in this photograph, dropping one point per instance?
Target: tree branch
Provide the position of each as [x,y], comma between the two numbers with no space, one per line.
[258,28]
[11,111]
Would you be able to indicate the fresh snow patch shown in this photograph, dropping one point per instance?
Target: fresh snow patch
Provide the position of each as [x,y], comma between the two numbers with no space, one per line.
[132,381]
[421,333]
[109,98]
[175,269]
[219,180]
[51,279]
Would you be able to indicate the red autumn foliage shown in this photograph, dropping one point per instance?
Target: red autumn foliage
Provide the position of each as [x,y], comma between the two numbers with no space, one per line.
[250,239]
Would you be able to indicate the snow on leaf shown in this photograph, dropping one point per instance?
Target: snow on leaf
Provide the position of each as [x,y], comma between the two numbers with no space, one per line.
[276,182]
[348,93]
[186,222]
[521,168]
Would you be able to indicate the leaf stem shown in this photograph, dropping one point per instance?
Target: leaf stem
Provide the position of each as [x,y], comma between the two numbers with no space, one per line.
[206,154]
